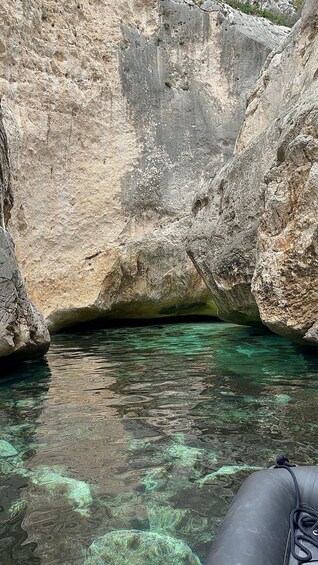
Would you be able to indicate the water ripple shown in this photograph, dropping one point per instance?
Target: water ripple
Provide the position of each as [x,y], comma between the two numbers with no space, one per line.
[146,429]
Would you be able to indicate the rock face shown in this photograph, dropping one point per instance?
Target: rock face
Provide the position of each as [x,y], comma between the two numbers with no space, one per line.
[289,9]
[120,112]
[23,332]
[254,237]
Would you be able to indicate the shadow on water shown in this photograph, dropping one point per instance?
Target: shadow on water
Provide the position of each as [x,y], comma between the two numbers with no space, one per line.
[107,323]
[147,429]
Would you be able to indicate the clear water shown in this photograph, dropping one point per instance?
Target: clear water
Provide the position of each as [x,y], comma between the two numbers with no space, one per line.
[145,429]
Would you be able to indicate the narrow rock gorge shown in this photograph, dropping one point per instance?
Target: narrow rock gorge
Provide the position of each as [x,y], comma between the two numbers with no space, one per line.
[23,333]
[116,115]
[254,234]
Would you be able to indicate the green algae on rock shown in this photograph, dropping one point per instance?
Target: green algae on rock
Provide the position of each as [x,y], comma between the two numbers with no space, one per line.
[179,466]
[17,507]
[134,547]
[78,492]
[191,463]
[6,449]
[282,398]
[164,519]
[228,470]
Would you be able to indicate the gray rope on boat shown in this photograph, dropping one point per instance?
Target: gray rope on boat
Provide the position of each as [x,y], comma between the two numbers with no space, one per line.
[302,519]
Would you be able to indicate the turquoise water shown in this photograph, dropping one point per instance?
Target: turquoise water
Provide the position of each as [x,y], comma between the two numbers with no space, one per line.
[128,444]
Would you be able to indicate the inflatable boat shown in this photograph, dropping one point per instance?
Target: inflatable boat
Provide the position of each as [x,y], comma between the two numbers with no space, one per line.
[273,519]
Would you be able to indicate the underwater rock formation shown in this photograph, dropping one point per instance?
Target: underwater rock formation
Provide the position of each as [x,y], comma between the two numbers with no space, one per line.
[124,110]
[254,235]
[78,493]
[136,547]
[23,333]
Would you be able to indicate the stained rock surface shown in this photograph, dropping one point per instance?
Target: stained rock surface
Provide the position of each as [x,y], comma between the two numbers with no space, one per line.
[254,235]
[289,9]
[23,332]
[118,113]
[135,546]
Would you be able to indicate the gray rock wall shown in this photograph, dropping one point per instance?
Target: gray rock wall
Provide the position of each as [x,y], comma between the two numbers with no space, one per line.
[254,234]
[6,194]
[23,333]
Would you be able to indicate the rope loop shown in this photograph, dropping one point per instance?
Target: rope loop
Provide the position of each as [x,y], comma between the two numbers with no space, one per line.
[302,519]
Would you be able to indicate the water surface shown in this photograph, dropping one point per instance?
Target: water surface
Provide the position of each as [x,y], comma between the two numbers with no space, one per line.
[148,429]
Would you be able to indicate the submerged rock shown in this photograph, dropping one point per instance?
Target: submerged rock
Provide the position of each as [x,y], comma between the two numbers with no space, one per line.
[77,492]
[23,333]
[282,398]
[254,234]
[134,547]
[7,450]
[227,470]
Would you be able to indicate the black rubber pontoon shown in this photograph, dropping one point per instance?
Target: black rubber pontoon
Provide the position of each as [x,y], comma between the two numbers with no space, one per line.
[256,529]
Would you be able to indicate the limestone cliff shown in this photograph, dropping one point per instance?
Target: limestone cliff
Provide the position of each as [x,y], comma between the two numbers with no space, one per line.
[254,237]
[121,110]
[281,10]
[23,332]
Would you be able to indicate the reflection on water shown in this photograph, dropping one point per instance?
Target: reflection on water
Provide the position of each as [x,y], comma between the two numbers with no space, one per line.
[134,440]
[20,406]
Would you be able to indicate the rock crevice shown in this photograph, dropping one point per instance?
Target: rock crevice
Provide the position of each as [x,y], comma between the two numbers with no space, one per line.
[23,333]
[255,239]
